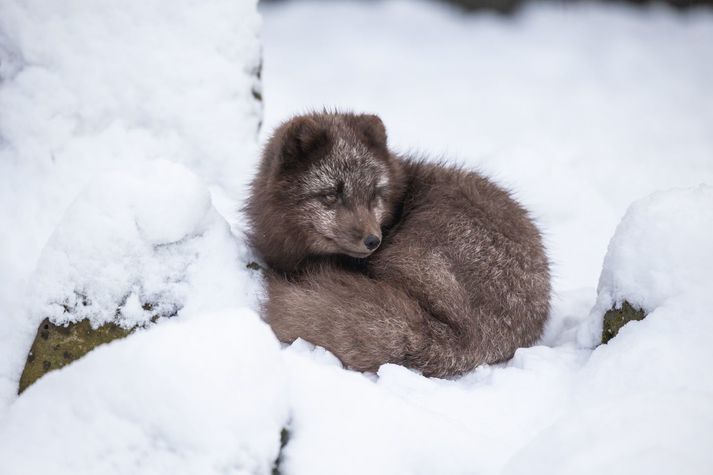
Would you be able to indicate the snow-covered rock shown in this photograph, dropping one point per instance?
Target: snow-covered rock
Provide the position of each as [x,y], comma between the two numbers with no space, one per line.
[129,247]
[127,252]
[643,403]
[203,395]
[661,252]
[89,87]
[132,248]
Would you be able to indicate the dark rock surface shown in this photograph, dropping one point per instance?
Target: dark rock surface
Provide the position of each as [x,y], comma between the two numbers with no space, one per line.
[616,318]
[57,346]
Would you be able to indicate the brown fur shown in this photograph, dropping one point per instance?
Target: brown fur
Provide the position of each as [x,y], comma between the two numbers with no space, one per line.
[460,278]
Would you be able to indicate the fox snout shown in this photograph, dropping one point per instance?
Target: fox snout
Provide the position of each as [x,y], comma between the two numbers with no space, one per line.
[369,230]
[364,232]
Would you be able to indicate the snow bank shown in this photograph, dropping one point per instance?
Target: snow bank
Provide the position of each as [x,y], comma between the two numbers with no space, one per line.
[662,251]
[400,422]
[132,246]
[643,403]
[90,86]
[342,422]
[204,395]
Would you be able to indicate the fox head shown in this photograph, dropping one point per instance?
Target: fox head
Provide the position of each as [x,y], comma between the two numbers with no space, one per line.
[333,178]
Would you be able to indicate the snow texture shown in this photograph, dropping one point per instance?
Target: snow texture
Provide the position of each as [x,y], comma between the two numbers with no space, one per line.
[650,382]
[89,87]
[661,253]
[127,135]
[203,395]
[131,247]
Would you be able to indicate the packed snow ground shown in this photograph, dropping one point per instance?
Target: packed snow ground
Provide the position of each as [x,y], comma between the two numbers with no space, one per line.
[581,111]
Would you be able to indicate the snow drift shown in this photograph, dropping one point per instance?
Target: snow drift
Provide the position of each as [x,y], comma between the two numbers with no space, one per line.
[204,395]
[89,87]
[642,402]
[661,253]
[135,246]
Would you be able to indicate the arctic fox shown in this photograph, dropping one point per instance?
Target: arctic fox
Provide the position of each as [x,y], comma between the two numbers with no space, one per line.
[381,258]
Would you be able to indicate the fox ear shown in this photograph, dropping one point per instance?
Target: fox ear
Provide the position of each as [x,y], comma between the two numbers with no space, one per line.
[303,137]
[373,130]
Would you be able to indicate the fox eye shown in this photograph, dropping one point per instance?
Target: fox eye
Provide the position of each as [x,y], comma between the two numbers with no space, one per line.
[330,198]
[333,196]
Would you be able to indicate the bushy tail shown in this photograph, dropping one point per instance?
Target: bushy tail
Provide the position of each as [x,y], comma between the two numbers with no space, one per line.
[366,323]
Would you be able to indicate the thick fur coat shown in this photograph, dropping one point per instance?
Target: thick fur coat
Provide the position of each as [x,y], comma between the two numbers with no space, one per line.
[386,259]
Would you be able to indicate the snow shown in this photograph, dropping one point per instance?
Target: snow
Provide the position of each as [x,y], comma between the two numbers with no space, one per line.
[177,405]
[126,138]
[131,247]
[88,88]
[644,436]
[642,402]
[661,251]
[411,424]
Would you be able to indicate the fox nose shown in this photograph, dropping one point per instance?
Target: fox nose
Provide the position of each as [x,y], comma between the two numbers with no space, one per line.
[372,242]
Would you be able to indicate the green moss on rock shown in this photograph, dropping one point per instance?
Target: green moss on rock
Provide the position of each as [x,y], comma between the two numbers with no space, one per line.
[616,318]
[57,346]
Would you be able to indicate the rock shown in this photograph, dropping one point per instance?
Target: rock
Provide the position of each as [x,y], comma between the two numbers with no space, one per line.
[57,346]
[501,6]
[616,318]
[284,438]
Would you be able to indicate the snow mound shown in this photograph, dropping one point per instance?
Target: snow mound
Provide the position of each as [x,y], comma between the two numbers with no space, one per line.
[203,395]
[163,78]
[88,87]
[661,250]
[131,247]
[357,426]
[643,402]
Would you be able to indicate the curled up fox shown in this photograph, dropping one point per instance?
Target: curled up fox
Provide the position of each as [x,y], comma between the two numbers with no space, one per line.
[382,258]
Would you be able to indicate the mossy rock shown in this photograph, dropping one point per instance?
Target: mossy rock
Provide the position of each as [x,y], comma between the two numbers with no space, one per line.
[616,318]
[56,346]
